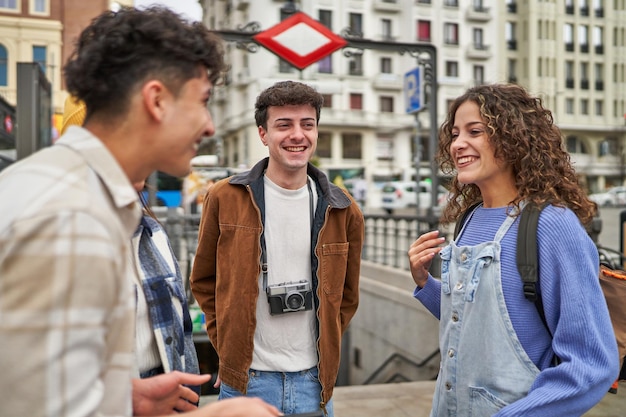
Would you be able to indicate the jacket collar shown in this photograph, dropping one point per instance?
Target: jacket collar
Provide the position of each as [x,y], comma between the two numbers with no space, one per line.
[333,194]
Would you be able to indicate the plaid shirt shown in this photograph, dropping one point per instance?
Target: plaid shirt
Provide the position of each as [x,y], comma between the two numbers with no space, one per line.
[162,285]
[67,214]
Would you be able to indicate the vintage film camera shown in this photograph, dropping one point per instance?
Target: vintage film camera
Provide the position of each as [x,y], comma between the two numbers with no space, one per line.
[290,297]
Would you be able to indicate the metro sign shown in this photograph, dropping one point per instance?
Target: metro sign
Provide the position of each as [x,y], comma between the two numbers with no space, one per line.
[300,40]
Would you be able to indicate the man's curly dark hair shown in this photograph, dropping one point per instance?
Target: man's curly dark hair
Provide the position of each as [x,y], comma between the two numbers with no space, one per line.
[120,50]
[523,135]
[286,93]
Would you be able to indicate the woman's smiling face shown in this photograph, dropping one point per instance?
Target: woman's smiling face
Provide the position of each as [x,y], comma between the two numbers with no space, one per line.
[472,152]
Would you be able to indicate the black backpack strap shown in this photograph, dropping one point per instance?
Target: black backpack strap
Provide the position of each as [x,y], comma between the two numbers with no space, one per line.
[527,263]
[461,221]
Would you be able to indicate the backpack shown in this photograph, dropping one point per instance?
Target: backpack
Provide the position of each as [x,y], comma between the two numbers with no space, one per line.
[612,276]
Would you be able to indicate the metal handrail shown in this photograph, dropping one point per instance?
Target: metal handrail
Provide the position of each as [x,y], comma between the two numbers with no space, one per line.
[404,359]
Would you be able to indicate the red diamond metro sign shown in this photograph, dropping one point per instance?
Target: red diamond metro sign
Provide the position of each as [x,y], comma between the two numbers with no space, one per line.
[300,40]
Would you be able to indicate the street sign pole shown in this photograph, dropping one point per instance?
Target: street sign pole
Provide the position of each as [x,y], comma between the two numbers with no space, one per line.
[414,103]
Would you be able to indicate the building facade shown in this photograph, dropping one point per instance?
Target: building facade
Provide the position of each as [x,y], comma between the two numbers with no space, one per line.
[569,52]
[572,53]
[43,31]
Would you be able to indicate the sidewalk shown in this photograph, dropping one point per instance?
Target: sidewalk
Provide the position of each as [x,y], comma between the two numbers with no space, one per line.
[412,399]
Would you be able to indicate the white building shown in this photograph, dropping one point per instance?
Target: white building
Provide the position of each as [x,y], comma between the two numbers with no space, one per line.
[364,127]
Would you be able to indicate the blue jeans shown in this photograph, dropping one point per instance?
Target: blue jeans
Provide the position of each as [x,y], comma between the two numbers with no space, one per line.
[290,392]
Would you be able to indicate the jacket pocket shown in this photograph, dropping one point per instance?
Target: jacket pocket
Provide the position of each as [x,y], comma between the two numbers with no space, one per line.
[333,266]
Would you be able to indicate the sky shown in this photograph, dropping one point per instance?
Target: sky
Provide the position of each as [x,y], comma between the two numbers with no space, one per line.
[188,8]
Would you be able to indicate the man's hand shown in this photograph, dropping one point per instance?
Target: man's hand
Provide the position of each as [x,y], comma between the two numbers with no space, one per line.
[165,394]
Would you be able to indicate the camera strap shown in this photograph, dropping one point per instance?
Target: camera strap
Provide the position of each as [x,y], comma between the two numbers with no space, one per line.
[263,248]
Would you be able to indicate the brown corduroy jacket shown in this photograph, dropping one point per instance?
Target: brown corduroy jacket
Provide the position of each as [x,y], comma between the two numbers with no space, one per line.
[228,261]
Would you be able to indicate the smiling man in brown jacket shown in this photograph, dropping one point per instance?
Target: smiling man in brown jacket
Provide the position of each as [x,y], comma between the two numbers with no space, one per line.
[278,261]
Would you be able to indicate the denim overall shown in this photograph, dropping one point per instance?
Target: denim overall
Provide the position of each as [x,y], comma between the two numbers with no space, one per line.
[483,365]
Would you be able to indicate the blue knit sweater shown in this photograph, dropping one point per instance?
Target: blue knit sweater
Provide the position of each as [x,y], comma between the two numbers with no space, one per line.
[574,307]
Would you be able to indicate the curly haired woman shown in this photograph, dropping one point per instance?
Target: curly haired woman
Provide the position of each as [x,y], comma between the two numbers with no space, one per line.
[498,358]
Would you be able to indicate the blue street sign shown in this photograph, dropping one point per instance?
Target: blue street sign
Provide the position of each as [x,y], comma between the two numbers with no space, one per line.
[413,91]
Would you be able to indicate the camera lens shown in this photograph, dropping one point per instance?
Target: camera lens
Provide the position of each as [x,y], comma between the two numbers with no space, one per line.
[294,301]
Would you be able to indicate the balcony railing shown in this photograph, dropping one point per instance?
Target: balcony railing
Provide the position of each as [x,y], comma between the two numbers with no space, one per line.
[511,44]
[388,238]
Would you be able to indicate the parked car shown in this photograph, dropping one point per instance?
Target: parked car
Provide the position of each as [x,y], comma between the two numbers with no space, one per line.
[403,194]
[612,197]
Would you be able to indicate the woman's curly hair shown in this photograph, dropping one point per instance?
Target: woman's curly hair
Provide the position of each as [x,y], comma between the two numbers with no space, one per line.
[120,50]
[523,135]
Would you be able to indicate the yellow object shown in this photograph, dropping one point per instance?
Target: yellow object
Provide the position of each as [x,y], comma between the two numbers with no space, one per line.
[74,113]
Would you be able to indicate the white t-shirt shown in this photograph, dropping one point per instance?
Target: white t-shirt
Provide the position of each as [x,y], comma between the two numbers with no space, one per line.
[286,342]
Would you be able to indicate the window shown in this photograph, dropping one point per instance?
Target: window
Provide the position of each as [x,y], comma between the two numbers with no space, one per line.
[598,70]
[386,104]
[478,39]
[356,101]
[452,69]
[479,74]
[351,145]
[569,106]
[384,148]
[583,38]
[584,8]
[356,24]
[478,5]
[385,65]
[584,75]
[4,61]
[609,146]
[511,37]
[569,74]
[284,66]
[326,18]
[39,6]
[323,145]
[511,6]
[598,40]
[512,66]
[599,107]
[575,145]
[8,4]
[328,100]
[584,106]
[386,29]
[355,65]
[325,65]
[39,56]
[598,8]
[451,33]
[423,30]
[568,36]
